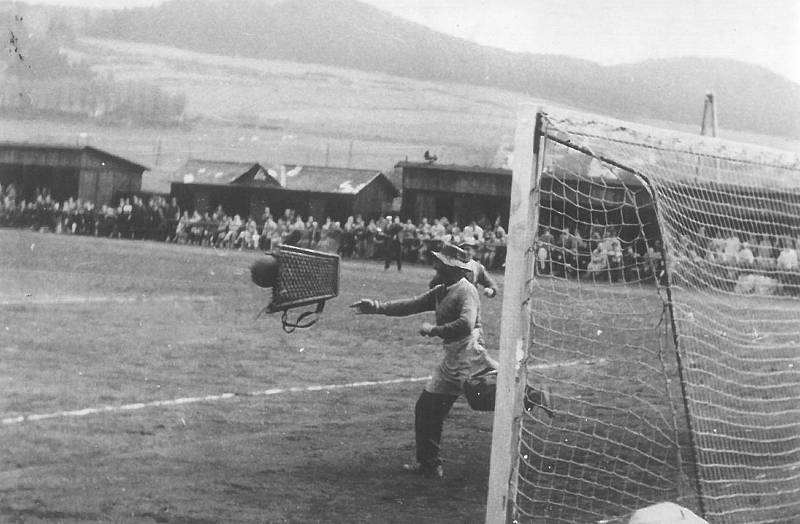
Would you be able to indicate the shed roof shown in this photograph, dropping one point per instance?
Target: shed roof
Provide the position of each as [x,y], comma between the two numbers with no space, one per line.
[323,179]
[42,147]
[221,172]
[101,152]
[455,168]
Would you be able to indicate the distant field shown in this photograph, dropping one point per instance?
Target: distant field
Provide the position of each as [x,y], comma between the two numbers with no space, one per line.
[306,113]
[282,112]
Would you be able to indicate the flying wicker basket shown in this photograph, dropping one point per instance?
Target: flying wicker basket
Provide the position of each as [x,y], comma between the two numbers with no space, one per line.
[302,277]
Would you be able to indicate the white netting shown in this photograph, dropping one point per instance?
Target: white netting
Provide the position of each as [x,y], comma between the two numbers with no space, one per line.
[665,324]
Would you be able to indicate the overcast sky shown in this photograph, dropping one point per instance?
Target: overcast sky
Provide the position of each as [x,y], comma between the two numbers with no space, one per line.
[763,32]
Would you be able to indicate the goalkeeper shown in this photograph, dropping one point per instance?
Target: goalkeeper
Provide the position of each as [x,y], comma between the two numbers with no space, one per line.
[479,276]
[457,305]
[477,273]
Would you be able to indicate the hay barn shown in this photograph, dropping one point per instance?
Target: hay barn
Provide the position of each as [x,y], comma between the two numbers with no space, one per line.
[83,172]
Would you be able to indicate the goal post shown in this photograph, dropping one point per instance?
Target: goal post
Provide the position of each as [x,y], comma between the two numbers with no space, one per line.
[652,291]
[515,314]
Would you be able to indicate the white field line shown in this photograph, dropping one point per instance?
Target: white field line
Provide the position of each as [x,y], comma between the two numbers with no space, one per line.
[569,363]
[193,400]
[100,299]
[227,396]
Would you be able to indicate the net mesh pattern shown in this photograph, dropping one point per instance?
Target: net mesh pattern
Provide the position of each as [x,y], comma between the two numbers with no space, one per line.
[665,326]
[304,277]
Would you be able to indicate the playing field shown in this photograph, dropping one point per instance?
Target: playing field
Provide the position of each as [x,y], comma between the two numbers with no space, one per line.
[139,386]
[150,393]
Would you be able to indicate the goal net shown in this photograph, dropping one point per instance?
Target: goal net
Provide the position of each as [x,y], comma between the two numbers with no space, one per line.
[654,307]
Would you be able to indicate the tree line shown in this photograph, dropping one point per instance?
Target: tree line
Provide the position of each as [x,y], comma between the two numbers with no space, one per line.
[38,79]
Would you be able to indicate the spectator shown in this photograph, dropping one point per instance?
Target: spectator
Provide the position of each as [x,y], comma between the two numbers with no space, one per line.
[347,248]
[745,258]
[764,252]
[410,242]
[489,252]
[360,235]
[371,233]
[788,258]
[471,232]
[731,246]
[424,229]
[613,250]
[268,233]
[543,249]
[478,274]
[393,238]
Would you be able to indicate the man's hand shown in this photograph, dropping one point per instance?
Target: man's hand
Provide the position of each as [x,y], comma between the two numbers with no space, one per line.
[426,328]
[365,306]
[490,292]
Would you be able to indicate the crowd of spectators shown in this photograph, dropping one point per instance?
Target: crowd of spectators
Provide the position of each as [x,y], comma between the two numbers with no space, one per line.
[132,218]
[597,252]
[386,238]
[161,219]
[744,262]
[723,259]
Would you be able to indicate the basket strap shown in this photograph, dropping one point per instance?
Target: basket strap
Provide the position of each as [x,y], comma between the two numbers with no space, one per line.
[301,321]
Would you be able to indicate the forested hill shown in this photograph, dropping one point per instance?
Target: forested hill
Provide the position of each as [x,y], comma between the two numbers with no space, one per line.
[351,34]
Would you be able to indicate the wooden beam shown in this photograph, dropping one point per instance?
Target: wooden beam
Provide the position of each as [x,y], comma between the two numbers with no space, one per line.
[515,324]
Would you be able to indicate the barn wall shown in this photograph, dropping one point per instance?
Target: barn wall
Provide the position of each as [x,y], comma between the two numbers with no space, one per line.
[373,200]
[489,184]
[42,157]
[78,173]
[418,205]
[88,188]
[257,201]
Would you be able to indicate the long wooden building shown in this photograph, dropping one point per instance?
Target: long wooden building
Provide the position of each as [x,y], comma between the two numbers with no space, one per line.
[63,171]
[461,193]
[247,188]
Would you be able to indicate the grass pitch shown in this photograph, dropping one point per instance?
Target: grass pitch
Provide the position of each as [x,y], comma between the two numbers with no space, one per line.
[89,323]
[109,348]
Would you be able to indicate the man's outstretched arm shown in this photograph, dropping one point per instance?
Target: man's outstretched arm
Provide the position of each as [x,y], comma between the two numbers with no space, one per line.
[398,308]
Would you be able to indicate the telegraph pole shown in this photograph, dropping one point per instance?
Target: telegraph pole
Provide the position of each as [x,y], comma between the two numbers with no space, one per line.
[709,125]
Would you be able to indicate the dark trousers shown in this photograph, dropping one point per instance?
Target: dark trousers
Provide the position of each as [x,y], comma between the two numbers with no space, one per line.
[429,415]
[393,253]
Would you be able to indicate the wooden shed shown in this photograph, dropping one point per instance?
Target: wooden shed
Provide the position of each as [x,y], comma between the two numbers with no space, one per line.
[207,184]
[336,192]
[83,172]
[461,193]
[319,191]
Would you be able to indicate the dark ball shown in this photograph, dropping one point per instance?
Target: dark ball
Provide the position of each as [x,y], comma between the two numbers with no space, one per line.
[264,271]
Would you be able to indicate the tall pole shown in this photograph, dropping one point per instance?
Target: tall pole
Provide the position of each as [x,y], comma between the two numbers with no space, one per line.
[350,154]
[709,114]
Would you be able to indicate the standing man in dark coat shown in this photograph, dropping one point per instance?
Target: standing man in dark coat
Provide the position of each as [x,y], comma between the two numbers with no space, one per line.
[394,243]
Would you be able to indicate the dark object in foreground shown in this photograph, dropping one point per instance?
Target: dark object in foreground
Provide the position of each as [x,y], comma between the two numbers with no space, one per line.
[298,277]
[480,390]
[538,398]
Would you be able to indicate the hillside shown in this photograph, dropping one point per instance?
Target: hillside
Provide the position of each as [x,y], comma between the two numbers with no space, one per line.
[348,33]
